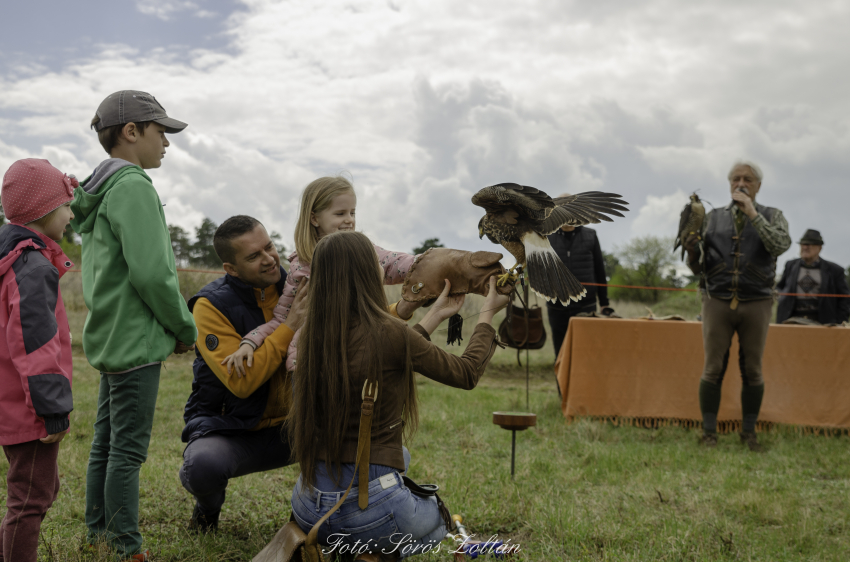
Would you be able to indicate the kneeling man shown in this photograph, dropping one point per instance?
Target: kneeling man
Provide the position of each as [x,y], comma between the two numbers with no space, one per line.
[233,422]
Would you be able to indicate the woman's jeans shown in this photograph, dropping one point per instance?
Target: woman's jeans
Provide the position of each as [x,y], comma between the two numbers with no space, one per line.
[122,432]
[396,521]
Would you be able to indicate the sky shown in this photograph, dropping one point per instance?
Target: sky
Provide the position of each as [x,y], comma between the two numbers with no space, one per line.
[424,102]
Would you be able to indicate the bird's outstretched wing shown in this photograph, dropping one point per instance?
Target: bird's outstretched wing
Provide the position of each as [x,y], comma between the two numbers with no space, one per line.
[520,217]
[590,207]
[527,202]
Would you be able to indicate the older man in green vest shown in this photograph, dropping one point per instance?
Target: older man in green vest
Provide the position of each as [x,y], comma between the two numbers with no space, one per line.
[736,256]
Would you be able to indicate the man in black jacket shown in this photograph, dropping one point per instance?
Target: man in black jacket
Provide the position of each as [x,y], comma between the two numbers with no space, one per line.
[812,276]
[578,247]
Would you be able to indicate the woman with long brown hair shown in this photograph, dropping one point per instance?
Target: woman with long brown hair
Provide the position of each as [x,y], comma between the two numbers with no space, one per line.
[349,337]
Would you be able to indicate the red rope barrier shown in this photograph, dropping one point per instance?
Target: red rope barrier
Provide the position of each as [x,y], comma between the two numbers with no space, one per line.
[588,284]
[805,295]
[641,287]
[696,290]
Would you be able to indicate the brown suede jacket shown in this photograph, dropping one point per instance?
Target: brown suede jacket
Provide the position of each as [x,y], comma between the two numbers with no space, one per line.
[428,360]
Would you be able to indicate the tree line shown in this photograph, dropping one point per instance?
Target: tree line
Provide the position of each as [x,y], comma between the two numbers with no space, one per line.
[646,261]
[200,253]
[189,252]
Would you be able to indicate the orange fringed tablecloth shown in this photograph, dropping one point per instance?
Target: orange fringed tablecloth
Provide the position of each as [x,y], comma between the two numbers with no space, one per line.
[646,372]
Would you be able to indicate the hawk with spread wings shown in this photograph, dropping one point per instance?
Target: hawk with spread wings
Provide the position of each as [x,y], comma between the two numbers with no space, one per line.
[520,218]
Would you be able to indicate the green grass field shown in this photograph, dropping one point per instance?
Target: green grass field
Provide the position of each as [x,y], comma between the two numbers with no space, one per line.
[583,491]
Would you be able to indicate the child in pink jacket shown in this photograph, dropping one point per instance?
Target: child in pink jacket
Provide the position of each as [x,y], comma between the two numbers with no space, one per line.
[327,205]
[35,348]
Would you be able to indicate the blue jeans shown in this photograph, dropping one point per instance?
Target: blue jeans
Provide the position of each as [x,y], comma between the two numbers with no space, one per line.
[395,521]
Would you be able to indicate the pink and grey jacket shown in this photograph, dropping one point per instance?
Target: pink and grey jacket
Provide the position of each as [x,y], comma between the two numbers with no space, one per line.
[35,347]
[395,266]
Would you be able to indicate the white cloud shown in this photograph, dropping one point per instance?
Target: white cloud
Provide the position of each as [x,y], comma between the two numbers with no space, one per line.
[659,216]
[166,9]
[426,102]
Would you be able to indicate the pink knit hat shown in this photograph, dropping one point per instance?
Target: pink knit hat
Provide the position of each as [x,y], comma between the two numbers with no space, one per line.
[33,188]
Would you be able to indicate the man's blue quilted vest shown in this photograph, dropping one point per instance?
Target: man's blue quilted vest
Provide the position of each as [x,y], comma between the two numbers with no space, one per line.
[212,408]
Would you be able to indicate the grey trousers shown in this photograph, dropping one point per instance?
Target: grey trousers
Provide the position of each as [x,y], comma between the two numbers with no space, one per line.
[210,462]
[719,322]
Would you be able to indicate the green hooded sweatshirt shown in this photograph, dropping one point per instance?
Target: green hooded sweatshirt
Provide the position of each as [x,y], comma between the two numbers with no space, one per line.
[130,286]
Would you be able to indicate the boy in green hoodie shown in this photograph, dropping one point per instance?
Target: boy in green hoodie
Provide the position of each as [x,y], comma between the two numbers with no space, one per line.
[137,316]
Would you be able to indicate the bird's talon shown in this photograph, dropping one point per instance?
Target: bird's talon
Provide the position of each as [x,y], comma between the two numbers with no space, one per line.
[505,278]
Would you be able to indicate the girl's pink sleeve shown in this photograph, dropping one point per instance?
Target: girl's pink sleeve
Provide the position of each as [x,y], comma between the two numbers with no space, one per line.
[395,265]
[297,272]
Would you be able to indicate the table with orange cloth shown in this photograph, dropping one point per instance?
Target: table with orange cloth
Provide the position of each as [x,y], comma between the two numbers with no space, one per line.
[646,372]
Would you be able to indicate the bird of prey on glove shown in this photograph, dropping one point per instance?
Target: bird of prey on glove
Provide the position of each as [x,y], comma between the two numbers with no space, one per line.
[690,222]
[520,218]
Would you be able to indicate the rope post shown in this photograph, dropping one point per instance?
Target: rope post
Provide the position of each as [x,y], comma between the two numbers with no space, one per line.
[526,379]
[514,421]
[513,452]
[526,304]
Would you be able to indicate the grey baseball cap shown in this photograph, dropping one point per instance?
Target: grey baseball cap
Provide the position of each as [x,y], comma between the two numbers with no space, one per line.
[133,106]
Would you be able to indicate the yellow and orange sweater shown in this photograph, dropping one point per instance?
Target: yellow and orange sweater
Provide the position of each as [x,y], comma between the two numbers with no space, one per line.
[268,358]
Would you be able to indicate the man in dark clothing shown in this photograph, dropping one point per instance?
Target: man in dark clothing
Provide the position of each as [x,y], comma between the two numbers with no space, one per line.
[233,421]
[735,254]
[578,248]
[812,276]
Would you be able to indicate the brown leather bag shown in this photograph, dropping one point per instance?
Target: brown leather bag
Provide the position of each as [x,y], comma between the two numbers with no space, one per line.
[522,327]
[289,545]
[468,272]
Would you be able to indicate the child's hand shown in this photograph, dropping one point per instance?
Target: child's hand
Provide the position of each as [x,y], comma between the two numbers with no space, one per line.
[405,309]
[54,437]
[181,347]
[234,360]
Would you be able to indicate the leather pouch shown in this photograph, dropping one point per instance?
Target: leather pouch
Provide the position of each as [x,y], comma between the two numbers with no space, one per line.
[290,545]
[522,327]
[468,272]
[426,491]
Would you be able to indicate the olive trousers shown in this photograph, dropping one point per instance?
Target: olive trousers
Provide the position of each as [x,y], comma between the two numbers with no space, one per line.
[719,322]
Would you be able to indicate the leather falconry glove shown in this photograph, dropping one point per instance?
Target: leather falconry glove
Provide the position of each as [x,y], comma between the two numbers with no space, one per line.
[468,272]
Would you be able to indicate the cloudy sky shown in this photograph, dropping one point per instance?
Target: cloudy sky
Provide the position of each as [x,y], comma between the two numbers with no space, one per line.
[424,102]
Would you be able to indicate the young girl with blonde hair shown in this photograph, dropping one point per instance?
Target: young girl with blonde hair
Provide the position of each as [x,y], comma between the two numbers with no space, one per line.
[327,205]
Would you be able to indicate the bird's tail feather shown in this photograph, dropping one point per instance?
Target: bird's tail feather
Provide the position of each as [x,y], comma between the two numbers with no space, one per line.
[547,274]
